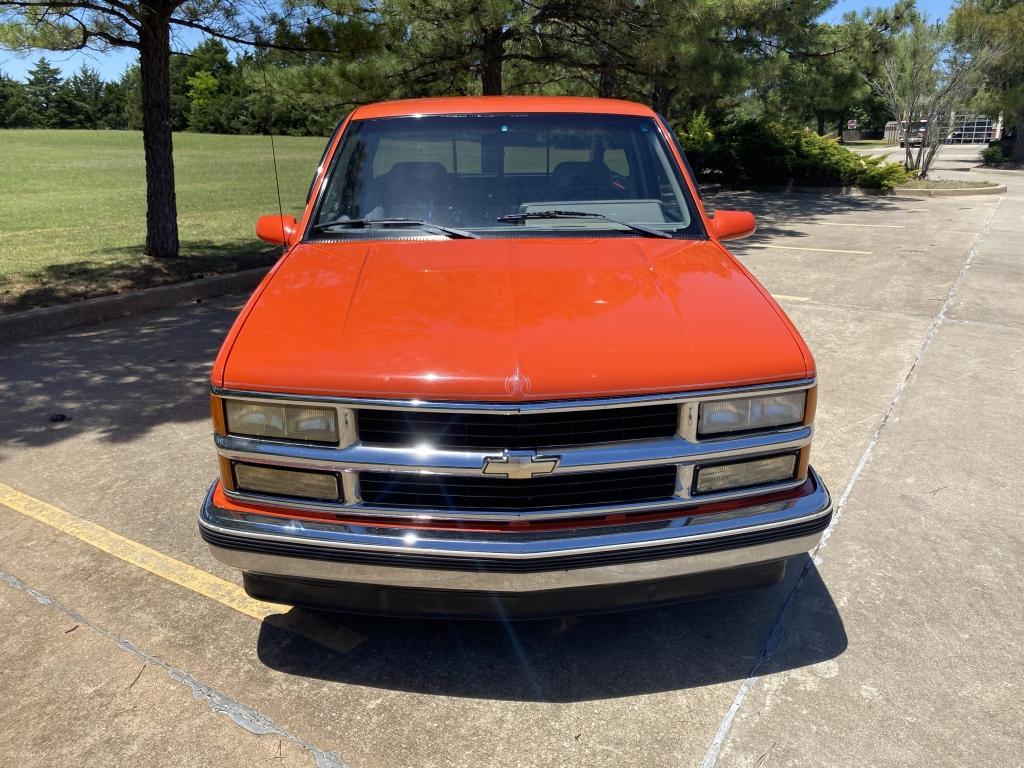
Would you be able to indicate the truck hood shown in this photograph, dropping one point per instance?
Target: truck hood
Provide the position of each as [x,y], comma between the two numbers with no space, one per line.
[509,320]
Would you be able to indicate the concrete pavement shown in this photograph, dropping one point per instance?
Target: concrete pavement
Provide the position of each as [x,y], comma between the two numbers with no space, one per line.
[926,559]
[897,644]
[951,158]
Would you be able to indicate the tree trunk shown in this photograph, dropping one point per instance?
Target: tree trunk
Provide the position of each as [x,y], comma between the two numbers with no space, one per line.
[926,161]
[155,71]
[661,98]
[609,77]
[1018,142]
[920,159]
[821,123]
[492,60]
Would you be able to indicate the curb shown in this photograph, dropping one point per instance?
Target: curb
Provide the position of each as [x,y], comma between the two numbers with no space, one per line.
[998,171]
[33,322]
[798,190]
[998,189]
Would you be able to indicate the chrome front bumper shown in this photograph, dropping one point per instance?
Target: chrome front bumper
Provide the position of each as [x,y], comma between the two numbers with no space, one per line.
[508,563]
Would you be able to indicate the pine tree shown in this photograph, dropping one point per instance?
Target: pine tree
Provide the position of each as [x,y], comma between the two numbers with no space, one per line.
[41,89]
[14,107]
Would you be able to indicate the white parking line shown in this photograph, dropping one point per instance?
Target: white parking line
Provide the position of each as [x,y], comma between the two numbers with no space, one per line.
[779,223]
[848,224]
[799,248]
[783,297]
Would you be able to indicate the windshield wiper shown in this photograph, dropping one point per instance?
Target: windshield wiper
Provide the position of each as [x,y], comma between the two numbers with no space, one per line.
[367,223]
[582,215]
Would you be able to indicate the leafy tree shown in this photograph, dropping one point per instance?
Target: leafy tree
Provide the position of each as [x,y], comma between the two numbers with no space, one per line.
[202,94]
[925,81]
[871,112]
[823,85]
[999,25]
[210,56]
[217,102]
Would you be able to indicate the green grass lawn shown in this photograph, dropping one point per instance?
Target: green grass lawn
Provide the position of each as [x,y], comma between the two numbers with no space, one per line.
[73,209]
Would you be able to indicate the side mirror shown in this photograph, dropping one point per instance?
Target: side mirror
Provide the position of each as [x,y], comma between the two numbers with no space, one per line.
[280,230]
[733,225]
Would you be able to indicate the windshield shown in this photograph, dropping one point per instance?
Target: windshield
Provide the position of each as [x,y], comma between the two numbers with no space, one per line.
[505,176]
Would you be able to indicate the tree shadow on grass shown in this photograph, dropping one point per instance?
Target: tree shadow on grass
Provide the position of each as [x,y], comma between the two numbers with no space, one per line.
[575,659]
[128,269]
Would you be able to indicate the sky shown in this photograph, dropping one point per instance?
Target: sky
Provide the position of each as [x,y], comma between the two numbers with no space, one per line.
[112,64]
[933,9]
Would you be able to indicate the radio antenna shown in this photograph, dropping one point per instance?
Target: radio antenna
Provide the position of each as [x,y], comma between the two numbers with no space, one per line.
[273,149]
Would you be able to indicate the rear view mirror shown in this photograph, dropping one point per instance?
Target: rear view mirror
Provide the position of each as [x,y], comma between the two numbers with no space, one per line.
[733,225]
[280,230]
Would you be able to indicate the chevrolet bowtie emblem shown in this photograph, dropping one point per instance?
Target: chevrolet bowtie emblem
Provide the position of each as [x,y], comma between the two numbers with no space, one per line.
[520,465]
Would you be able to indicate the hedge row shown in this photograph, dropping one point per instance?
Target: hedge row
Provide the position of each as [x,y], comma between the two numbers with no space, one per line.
[756,153]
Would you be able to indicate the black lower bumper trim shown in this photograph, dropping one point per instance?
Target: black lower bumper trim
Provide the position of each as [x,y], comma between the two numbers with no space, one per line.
[450,604]
[485,564]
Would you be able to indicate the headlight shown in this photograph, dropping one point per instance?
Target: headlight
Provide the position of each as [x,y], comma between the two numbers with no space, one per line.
[739,414]
[278,481]
[745,474]
[309,424]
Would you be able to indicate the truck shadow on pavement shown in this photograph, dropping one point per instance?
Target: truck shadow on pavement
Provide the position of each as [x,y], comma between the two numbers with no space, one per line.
[580,658]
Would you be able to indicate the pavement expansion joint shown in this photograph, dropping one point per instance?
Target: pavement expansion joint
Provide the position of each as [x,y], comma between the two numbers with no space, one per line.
[773,638]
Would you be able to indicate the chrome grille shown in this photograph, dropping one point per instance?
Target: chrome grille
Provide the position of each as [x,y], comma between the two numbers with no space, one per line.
[517,431]
[406,458]
[404,490]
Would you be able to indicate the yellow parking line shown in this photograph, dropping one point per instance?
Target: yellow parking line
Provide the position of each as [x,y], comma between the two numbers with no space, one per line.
[157,563]
[798,248]
[183,574]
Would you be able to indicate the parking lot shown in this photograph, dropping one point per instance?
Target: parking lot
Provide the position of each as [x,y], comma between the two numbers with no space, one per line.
[897,642]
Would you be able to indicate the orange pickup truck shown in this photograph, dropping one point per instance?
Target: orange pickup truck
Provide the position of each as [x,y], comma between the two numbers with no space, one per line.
[506,368]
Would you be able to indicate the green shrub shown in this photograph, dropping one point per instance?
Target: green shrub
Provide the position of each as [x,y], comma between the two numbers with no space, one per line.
[992,155]
[698,136]
[757,153]
[881,175]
